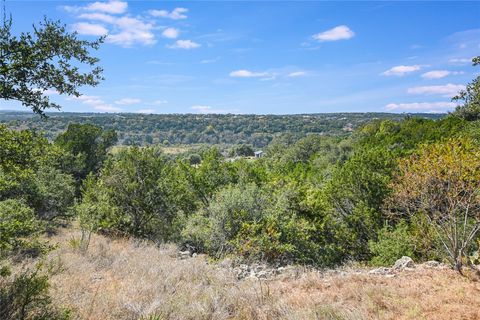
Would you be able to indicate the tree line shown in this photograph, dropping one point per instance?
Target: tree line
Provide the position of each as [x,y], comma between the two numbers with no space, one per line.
[188,129]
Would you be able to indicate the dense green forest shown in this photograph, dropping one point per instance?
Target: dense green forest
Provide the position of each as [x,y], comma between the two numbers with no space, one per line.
[321,200]
[175,129]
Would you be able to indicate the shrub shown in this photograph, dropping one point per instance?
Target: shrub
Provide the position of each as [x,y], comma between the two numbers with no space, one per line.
[215,228]
[277,238]
[95,212]
[140,193]
[195,159]
[245,220]
[442,181]
[197,232]
[26,297]
[55,192]
[230,208]
[392,244]
[18,229]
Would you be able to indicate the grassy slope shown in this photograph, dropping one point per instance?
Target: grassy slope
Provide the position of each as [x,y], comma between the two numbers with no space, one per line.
[123,279]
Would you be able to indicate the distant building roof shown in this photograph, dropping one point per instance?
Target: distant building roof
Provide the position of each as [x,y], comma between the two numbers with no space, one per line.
[258,153]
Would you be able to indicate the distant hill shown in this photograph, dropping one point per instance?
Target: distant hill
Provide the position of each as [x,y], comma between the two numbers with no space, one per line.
[258,130]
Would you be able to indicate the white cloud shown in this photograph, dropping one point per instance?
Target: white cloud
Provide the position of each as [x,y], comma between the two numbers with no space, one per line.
[147,111]
[431,107]
[122,30]
[338,33]
[171,33]
[98,16]
[159,62]
[90,29]
[209,109]
[447,90]
[247,74]
[401,70]
[460,61]
[184,44]
[127,101]
[202,109]
[297,74]
[157,102]
[210,60]
[269,78]
[96,103]
[131,31]
[175,14]
[113,6]
[436,74]
[107,108]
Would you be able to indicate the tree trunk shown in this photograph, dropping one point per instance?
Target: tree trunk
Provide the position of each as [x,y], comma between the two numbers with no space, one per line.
[458,264]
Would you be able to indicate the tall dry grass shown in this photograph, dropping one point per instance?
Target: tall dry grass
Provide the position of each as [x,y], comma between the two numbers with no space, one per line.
[124,279]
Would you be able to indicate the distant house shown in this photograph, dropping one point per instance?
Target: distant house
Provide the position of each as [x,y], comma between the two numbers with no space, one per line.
[258,154]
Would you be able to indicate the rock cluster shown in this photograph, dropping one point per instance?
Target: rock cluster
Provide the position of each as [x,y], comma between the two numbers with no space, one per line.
[259,271]
[263,271]
[406,264]
[383,271]
[186,254]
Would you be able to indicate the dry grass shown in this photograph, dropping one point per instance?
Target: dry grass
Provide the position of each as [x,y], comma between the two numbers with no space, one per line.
[122,279]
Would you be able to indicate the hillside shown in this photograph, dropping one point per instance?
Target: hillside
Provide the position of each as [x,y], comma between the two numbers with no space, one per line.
[127,279]
[258,130]
[194,176]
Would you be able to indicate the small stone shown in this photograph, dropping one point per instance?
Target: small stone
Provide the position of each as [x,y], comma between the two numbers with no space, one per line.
[97,277]
[380,271]
[404,262]
[432,264]
[184,254]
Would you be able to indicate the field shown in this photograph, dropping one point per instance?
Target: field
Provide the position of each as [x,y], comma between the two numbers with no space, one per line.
[126,279]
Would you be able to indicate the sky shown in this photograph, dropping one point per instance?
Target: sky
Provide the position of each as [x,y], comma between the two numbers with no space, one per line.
[268,57]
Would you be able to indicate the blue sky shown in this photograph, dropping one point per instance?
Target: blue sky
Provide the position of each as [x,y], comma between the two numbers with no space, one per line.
[269,57]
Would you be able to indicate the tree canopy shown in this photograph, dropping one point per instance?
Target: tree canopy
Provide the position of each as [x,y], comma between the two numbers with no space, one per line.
[46,60]
[470,110]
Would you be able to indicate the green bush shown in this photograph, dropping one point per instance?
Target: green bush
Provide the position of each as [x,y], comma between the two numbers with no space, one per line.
[197,232]
[86,148]
[392,244]
[55,192]
[139,193]
[220,223]
[247,221]
[231,207]
[18,229]
[25,296]
[277,238]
